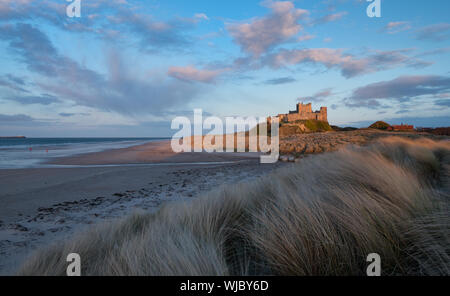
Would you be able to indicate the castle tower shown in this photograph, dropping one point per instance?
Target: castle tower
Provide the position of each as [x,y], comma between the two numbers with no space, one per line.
[323,113]
[302,108]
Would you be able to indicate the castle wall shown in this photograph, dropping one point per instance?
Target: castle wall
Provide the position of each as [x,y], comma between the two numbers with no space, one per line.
[304,112]
[301,116]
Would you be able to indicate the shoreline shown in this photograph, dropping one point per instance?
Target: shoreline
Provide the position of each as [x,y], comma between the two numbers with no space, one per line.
[152,153]
[37,153]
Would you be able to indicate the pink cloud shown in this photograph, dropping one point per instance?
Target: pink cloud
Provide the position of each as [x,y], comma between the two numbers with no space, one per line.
[330,18]
[349,65]
[261,34]
[190,73]
[396,27]
[305,38]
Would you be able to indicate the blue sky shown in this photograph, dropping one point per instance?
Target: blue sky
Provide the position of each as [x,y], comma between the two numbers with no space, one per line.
[127,68]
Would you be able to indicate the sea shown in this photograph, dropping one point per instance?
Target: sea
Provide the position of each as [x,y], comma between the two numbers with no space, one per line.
[34,152]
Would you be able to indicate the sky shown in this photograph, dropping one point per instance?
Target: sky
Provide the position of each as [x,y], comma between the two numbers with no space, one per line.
[126,68]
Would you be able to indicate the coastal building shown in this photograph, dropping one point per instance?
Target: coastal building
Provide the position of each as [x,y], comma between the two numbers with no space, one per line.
[402,127]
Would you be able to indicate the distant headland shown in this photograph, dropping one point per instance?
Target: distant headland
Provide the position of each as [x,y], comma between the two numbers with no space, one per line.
[14,137]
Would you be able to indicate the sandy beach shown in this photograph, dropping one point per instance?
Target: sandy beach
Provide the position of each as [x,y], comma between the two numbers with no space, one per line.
[43,206]
[40,206]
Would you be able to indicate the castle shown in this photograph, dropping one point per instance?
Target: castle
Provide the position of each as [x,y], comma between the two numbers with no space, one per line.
[304,112]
